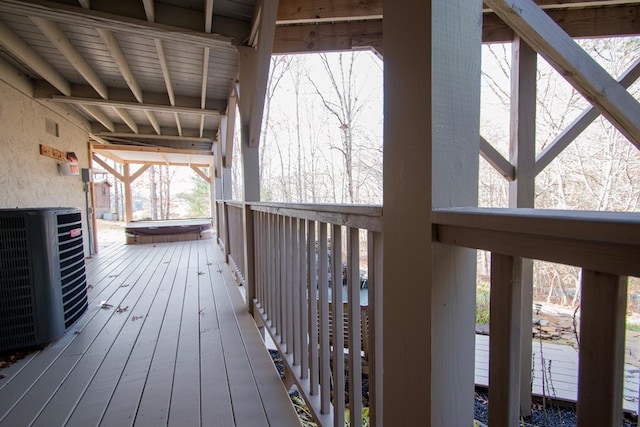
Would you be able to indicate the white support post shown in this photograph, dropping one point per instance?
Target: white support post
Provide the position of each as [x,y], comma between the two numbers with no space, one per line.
[522,146]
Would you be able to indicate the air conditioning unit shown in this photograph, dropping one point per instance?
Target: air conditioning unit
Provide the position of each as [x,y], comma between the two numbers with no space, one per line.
[43,286]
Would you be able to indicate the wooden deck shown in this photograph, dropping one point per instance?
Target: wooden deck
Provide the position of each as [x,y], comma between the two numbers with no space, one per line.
[560,370]
[177,348]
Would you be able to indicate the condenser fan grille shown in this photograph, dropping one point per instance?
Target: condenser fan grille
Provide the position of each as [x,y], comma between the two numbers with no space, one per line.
[17,322]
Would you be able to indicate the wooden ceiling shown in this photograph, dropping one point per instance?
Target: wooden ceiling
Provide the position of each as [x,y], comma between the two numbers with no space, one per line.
[161,72]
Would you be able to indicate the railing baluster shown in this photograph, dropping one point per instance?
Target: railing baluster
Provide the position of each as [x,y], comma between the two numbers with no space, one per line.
[312,304]
[355,338]
[601,362]
[272,273]
[338,326]
[504,341]
[288,300]
[304,312]
[323,286]
[295,289]
[374,277]
[277,284]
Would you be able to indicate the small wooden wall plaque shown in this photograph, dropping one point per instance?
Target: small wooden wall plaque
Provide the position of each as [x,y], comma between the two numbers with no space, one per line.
[54,153]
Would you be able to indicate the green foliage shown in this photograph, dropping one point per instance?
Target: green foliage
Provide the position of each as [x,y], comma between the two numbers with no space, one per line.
[198,198]
[365,417]
[482,303]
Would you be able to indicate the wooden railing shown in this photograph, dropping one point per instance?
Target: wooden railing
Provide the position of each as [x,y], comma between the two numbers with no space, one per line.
[607,248]
[298,269]
[294,251]
[235,239]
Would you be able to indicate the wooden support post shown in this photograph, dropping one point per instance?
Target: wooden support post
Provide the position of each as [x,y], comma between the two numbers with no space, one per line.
[94,222]
[128,202]
[374,294]
[249,255]
[522,146]
[407,209]
[602,334]
[504,350]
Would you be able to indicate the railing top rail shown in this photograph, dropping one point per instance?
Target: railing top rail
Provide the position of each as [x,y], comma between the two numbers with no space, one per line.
[368,217]
[602,241]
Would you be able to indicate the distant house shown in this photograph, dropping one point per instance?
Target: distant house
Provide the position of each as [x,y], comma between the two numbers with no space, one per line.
[103,198]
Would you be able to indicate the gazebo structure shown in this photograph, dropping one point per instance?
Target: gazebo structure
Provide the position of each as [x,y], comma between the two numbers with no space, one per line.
[161,81]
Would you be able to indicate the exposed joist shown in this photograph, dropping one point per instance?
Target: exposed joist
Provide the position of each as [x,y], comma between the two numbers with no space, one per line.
[77,16]
[497,160]
[208,15]
[107,167]
[578,126]
[99,115]
[85,3]
[571,61]
[18,48]
[203,87]
[122,63]
[133,105]
[149,10]
[153,120]
[127,119]
[58,38]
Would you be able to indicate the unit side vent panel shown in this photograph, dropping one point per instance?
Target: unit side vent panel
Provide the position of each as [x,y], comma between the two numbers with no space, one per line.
[72,270]
[17,317]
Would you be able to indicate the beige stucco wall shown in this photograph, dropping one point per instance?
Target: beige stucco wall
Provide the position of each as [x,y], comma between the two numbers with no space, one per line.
[28,179]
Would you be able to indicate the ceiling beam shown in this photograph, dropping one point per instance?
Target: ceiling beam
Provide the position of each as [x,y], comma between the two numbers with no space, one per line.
[18,48]
[572,62]
[203,87]
[77,16]
[146,149]
[122,63]
[59,39]
[315,11]
[157,100]
[147,132]
[343,36]
[133,105]
[99,115]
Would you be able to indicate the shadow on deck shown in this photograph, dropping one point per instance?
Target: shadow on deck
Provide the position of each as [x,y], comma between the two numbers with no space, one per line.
[176,347]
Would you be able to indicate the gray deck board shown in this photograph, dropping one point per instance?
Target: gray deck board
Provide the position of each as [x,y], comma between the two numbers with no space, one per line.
[560,372]
[181,354]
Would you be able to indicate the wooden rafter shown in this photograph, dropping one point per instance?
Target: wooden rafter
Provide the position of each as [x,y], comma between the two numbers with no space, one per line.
[65,14]
[134,148]
[18,48]
[147,132]
[123,65]
[127,119]
[571,61]
[59,39]
[99,115]
[578,126]
[149,10]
